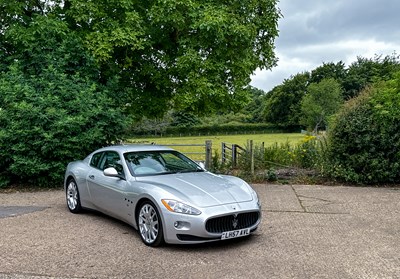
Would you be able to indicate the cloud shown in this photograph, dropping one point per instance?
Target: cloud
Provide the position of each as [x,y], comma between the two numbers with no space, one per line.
[281,72]
[315,31]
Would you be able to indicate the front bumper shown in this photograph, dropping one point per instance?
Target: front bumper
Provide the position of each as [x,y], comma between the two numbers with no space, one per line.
[191,229]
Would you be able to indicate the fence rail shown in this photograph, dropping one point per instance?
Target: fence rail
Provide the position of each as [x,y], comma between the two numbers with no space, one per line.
[231,152]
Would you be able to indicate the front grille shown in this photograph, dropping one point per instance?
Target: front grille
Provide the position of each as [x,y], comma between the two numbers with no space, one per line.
[231,223]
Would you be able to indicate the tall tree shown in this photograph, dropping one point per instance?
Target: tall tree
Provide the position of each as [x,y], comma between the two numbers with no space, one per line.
[194,55]
[365,71]
[282,104]
[322,100]
[328,70]
[254,108]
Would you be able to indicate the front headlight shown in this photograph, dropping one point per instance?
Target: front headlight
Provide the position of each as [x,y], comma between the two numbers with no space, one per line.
[179,207]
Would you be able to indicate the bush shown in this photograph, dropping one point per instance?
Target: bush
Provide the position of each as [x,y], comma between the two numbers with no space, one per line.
[55,107]
[48,121]
[364,138]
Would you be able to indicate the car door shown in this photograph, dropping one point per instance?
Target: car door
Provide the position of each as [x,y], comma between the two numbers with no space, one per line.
[108,193]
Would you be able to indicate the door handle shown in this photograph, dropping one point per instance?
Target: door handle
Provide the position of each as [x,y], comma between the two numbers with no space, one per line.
[91,176]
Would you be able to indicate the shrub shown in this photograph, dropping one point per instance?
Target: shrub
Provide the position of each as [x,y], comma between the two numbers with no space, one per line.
[55,106]
[48,121]
[364,139]
[308,152]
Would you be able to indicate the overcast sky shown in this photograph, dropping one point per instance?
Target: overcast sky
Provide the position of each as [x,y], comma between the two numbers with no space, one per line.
[315,31]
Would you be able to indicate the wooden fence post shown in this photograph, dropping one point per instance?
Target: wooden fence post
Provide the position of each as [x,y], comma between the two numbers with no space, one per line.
[223,153]
[234,155]
[208,154]
[251,147]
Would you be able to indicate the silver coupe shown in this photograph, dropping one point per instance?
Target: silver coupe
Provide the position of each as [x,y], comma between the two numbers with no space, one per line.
[163,194]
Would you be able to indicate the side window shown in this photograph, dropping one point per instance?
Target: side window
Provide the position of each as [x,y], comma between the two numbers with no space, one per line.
[111,159]
[96,160]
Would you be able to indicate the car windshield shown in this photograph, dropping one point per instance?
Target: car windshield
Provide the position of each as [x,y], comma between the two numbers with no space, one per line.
[145,163]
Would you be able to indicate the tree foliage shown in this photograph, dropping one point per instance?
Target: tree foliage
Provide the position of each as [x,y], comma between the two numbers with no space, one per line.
[366,71]
[254,106]
[282,104]
[193,55]
[196,56]
[322,100]
[332,70]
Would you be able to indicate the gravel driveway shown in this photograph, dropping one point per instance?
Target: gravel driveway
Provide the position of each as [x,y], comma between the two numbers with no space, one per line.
[306,232]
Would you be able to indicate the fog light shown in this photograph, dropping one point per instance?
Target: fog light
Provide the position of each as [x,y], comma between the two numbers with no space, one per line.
[181,225]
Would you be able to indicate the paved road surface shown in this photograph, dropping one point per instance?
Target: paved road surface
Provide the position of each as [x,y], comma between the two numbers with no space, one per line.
[307,232]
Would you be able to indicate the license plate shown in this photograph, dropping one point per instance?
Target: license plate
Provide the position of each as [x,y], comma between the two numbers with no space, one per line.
[234,234]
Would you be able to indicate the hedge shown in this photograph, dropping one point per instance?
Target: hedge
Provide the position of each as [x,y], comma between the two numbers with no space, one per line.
[364,140]
[229,128]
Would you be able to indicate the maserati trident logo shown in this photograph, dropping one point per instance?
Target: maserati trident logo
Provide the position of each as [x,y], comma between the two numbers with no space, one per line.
[235,221]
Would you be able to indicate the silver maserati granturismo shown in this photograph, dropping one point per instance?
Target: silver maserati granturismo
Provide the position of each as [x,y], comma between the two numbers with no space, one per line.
[163,194]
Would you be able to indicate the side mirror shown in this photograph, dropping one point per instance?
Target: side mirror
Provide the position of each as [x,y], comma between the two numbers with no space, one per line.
[112,172]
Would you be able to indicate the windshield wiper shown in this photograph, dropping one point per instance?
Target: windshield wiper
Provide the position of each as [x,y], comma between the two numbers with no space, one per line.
[168,172]
[186,171]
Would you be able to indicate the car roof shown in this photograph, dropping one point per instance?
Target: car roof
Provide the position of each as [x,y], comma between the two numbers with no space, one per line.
[134,148]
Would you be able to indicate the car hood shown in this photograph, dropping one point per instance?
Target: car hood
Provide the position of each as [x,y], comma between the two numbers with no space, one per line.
[202,189]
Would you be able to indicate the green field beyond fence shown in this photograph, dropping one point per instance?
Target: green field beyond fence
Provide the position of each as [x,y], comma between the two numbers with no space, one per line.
[267,139]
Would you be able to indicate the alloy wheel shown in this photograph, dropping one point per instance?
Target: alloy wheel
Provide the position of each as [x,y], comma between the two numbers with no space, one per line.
[148,223]
[72,195]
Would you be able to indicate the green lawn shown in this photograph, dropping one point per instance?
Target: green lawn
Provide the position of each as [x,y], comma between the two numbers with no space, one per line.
[268,139]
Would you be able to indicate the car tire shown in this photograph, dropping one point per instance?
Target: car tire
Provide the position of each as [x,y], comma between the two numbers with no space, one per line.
[149,224]
[73,197]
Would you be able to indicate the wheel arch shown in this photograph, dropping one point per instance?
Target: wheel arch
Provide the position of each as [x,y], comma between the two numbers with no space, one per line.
[139,204]
[67,179]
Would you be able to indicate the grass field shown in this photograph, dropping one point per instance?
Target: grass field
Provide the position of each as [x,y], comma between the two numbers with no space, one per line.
[268,139]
